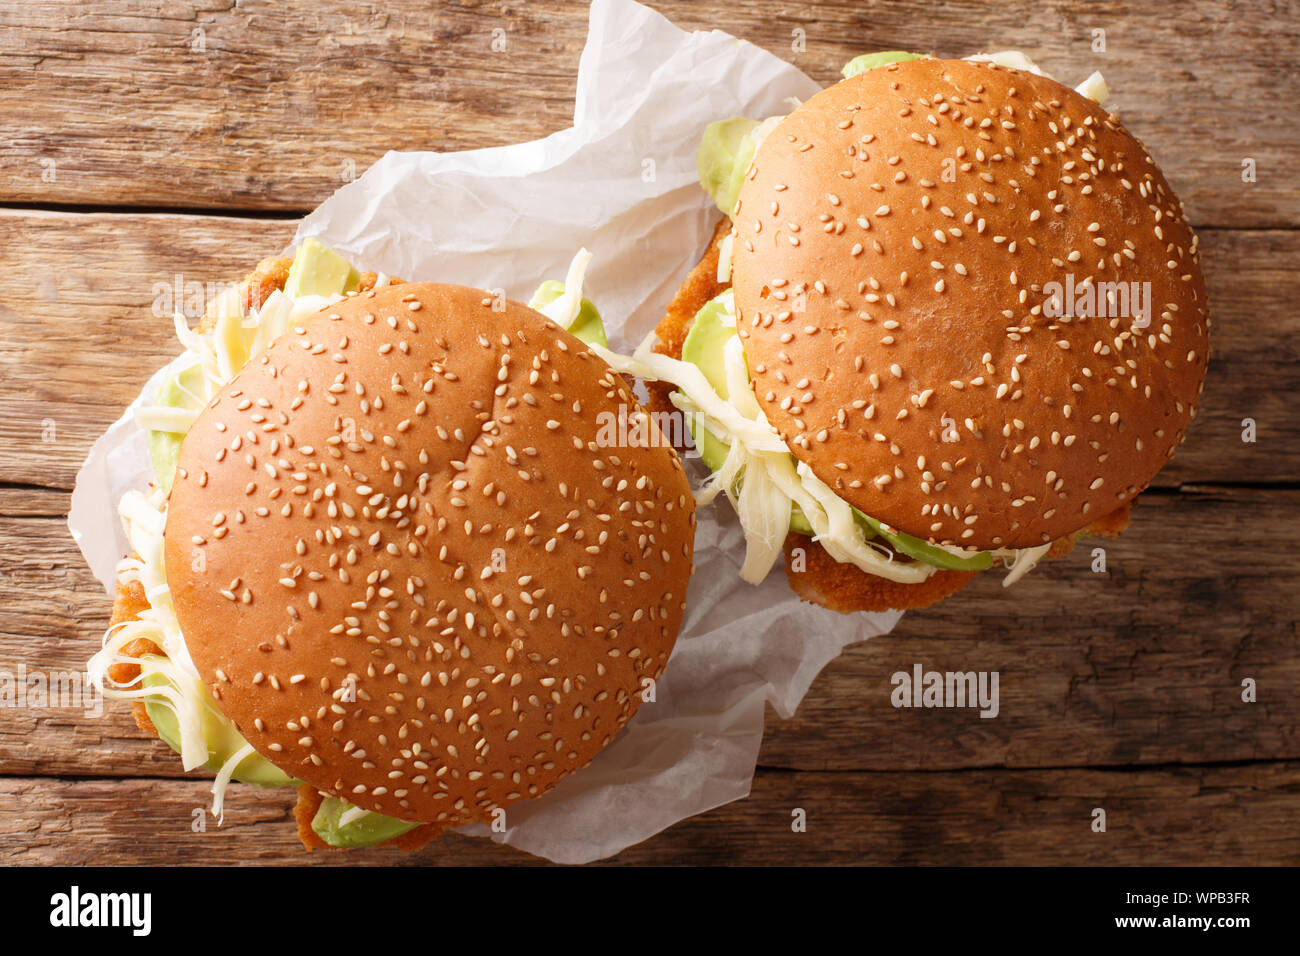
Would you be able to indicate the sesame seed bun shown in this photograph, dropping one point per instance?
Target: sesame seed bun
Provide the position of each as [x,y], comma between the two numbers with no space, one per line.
[816,576]
[404,564]
[896,238]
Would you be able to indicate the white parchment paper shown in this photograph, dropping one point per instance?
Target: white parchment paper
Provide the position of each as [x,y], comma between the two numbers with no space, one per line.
[622,182]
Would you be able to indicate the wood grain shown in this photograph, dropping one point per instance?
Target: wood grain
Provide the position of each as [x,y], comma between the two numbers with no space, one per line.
[1178,816]
[81,335]
[263,105]
[181,137]
[1142,664]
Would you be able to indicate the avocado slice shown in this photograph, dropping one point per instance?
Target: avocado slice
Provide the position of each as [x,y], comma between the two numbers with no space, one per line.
[222,739]
[319,270]
[177,391]
[703,347]
[869,61]
[364,828]
[723,156]
[923,551]
[587,326]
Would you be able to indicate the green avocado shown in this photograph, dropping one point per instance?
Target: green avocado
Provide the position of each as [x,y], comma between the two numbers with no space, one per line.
[869,61]
[177,391]
[703,347]
[587,326]
[722,158]
[222,739]
[319,270]
[923,551]
[365,829]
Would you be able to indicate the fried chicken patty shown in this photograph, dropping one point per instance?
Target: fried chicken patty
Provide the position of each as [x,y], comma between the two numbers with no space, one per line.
[819,578]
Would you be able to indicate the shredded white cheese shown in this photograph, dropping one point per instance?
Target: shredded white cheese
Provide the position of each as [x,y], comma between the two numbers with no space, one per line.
[564,311]
[222,781]
[1020,561]
[1010,58]
[220,353]
[144,517]
[351,815]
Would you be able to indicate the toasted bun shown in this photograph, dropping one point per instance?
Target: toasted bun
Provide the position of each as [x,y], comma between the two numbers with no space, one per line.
[896,239]
[816,577]
[407,567]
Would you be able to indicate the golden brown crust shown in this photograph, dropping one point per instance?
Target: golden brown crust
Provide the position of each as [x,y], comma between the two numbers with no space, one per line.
[414,839]
[304,811]
[269,276]
[142,720]
[1110,526]
[897,314]
[368,280]
[454,580]
[1113,524]
[847,588]
[700,286]
[128,601]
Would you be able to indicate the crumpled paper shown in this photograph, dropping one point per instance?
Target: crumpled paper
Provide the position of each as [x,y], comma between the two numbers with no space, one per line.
[622,182]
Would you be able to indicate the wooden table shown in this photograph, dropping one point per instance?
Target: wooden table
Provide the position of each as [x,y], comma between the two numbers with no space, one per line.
[141,140]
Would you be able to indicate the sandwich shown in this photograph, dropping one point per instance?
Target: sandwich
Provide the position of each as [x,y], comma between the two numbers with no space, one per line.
[953,317]
[386,558]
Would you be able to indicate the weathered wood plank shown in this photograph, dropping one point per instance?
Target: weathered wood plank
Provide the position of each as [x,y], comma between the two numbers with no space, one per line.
[260,104]
[265,105]
[19,501]
[79,335]
[1166,69]
[1185,816]
[1140,665]
[79,331]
